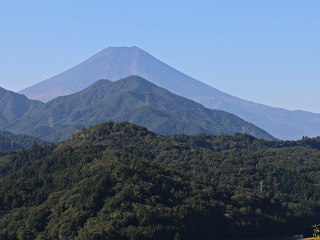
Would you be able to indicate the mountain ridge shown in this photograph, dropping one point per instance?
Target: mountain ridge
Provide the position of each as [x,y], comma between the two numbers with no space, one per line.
[14,105]
[131,99]
[119,62]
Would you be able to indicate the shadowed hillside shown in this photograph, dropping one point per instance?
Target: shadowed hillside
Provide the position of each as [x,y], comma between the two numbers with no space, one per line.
[14,142]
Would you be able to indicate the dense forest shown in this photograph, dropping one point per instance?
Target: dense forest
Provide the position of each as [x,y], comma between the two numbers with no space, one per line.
[121,181]
[14,142]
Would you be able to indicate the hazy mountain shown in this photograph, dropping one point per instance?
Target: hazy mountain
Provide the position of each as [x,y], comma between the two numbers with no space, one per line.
[114,63]
[131,99]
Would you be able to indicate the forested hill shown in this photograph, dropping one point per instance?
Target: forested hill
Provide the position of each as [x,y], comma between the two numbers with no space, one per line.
[14,142]
[120,181]
[132,99]
[14,106]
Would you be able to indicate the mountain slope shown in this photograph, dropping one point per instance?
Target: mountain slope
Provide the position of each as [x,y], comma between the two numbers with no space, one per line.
[14,106]
[131,99]
[115,63]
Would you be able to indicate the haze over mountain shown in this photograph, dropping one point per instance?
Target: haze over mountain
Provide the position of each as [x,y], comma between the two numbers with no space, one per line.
[131,99]
[114,63]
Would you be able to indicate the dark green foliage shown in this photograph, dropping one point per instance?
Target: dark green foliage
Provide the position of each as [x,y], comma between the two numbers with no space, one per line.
[3,154]
[14,106]
[19,141]
[125,100]
[120,181]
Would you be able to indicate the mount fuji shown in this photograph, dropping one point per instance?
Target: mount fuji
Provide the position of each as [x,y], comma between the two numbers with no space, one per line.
[114,63]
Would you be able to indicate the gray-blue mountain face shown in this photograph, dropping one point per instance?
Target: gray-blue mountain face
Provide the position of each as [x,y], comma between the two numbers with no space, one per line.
[119,62]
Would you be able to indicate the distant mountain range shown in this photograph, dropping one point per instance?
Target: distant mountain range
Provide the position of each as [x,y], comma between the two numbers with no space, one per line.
[115,63]
[131,99]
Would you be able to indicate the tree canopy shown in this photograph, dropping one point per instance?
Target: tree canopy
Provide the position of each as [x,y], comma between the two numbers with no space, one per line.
[121,181]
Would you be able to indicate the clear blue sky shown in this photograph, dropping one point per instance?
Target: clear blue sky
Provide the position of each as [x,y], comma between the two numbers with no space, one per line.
[264,51]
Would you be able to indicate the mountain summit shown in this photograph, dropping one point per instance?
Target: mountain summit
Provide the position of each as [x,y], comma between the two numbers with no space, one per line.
[114,63]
